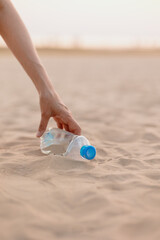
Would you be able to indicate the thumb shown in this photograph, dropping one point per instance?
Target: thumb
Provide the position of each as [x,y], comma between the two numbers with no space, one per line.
[42,125]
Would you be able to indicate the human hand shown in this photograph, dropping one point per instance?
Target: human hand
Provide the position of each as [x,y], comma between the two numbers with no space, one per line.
[52,106]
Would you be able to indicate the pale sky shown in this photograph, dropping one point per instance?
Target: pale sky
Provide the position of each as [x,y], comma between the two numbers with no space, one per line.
[101,22]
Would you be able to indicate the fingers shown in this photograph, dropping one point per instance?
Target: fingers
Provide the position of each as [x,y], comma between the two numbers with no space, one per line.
[66,127]
[43,125]
[59,125]
[76,130]
[68,123]
[74,127]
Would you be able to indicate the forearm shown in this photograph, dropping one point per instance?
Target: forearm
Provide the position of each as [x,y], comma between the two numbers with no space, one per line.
[16,36]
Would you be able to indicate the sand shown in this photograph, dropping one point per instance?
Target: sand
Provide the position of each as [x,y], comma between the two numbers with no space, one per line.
[116,100]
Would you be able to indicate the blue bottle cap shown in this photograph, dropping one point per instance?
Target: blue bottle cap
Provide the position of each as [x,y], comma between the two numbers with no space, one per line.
[88,152]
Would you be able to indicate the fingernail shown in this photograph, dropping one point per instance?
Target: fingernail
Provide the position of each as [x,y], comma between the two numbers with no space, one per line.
[38,134]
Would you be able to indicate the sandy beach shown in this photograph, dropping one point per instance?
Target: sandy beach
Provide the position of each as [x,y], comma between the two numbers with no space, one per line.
[116,100]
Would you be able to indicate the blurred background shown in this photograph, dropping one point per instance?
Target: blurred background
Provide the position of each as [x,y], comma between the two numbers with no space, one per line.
[92,23]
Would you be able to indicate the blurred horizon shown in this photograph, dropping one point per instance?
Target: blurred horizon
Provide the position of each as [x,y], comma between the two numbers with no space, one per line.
[91,23]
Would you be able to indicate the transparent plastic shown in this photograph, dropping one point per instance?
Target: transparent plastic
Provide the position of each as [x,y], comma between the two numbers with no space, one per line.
[60,142]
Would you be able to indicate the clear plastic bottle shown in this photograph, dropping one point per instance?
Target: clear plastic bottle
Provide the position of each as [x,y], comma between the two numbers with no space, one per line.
[60,142]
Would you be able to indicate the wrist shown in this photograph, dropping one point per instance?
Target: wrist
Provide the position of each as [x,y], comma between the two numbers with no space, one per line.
[46,89]
[42,82]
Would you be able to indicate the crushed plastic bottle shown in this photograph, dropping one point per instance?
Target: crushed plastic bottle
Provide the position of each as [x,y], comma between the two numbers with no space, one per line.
[61,142]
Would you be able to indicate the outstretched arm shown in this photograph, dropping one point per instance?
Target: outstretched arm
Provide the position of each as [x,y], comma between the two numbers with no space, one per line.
[16,36]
